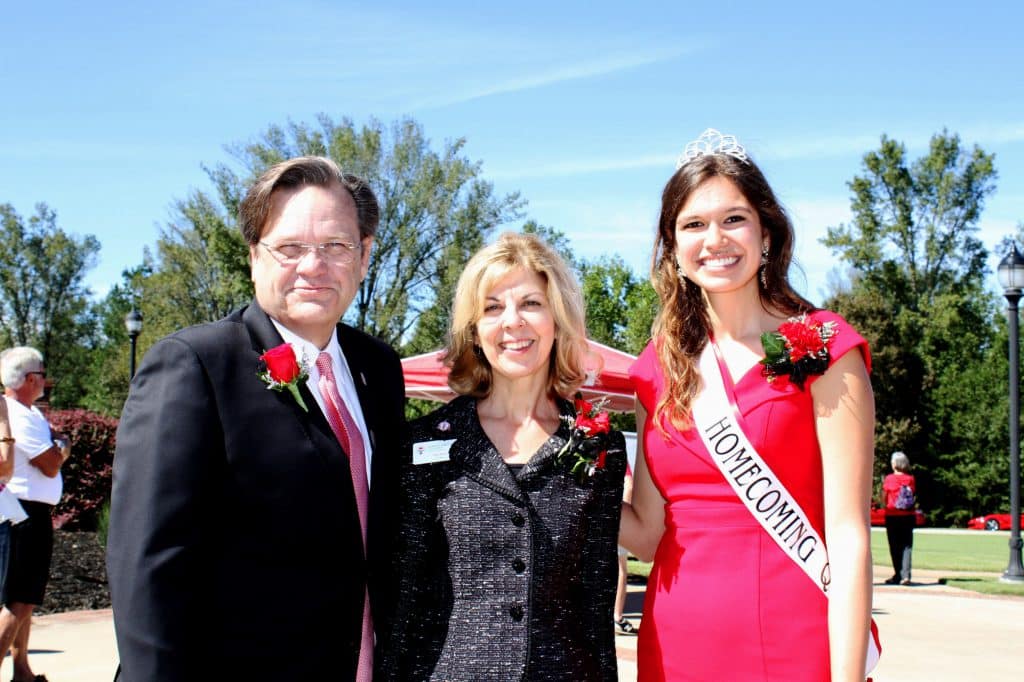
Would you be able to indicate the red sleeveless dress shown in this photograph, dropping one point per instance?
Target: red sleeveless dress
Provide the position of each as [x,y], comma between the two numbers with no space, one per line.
[723,601]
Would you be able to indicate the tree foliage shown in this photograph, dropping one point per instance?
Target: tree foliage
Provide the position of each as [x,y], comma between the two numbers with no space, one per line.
[435,212]
[620,306]
[44,302]
[916,223]
[918,294]
[620,311]
[109,361]
[200,271]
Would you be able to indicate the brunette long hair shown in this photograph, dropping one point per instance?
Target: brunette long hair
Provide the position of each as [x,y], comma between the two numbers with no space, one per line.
[683,324]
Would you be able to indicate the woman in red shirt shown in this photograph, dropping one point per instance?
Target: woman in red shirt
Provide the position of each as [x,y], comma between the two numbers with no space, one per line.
[900,517]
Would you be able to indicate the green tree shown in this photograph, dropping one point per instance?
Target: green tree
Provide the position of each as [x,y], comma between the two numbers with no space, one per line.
[620,306]
[556,239]
[200,271]
[109,361]
[917,293]
[436,210]
[620,310]
[43,299]
[916,223]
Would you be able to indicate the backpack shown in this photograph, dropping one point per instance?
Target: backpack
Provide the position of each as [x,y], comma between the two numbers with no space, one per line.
[905,498]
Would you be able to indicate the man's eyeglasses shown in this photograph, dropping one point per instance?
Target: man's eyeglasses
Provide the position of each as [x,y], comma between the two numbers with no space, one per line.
[292,252]
[39,372]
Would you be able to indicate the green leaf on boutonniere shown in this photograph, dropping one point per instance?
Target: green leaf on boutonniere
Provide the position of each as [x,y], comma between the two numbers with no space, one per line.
[774,346]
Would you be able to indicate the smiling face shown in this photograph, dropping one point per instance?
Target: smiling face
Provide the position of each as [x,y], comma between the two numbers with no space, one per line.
[516,329]
[309,296]
[719,238]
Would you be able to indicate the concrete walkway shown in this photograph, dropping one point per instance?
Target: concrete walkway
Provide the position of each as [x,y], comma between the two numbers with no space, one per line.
[930,633]
[71,647]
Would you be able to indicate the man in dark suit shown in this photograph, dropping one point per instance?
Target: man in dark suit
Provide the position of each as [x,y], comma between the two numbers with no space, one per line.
[249,528]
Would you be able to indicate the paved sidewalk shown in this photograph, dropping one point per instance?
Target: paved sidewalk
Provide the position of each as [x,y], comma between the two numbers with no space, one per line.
[71,647]
[930,633]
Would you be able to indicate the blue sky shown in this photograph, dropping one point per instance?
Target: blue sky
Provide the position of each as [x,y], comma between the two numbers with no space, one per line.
[110,109]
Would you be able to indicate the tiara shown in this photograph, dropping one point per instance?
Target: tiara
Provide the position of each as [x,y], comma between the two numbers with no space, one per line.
[712,142]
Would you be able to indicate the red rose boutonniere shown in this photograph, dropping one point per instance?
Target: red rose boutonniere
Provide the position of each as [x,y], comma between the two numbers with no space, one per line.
[799,348]
[587,446]
[284,370]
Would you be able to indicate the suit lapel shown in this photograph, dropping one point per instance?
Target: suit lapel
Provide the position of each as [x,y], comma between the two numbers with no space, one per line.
[321,437]
[264,337]
[476,454]
[547,455]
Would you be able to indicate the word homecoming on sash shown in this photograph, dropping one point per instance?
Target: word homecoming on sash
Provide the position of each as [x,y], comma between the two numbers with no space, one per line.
[778,512]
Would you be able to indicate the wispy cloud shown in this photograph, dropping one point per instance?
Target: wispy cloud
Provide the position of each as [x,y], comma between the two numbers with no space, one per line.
[602,226]
[786,149]
[998,133]
[81,150]
[592,68]
[815,146]
[841,145]
[585,166]
[782,151]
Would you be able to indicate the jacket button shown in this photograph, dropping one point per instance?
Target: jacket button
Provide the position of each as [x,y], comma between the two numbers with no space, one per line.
[518,520]
[519,565]
[516,612]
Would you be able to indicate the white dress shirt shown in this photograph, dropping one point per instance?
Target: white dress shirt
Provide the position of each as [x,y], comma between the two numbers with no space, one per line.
[342,377]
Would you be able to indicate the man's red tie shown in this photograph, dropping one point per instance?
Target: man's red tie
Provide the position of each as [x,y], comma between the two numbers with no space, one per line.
[348,435]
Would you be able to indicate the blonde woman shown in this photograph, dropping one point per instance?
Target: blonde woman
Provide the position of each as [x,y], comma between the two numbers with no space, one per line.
[508,555]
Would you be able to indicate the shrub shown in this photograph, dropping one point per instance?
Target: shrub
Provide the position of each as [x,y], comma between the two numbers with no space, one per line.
[103,524]
[87,473]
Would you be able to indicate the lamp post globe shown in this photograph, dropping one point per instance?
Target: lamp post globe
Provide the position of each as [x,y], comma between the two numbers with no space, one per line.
[1011,278]
[133,323]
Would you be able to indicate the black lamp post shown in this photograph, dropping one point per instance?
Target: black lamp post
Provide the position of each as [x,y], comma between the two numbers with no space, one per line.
[133,323]
[1011,278]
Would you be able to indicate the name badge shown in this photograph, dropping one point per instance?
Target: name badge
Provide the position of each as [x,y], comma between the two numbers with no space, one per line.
[430,451]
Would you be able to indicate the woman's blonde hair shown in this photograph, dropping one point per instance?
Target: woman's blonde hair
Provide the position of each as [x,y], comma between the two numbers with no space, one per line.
[471,373]
[681,328]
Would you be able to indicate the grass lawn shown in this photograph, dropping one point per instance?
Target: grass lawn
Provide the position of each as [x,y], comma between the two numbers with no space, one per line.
[981,551]
[640,569]
[985,585]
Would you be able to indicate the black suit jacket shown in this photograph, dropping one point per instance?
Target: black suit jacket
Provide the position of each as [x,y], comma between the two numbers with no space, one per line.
[505,576]
[234,547]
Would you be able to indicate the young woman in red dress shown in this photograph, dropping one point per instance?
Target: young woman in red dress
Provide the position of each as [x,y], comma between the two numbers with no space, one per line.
[724,599]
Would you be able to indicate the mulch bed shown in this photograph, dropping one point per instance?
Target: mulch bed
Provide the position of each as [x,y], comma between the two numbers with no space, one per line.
[78,574]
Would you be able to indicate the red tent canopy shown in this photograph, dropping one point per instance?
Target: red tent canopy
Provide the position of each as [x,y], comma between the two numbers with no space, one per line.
[427,378]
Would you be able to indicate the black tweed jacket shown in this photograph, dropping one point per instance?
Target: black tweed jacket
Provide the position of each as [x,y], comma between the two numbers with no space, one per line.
[505,576]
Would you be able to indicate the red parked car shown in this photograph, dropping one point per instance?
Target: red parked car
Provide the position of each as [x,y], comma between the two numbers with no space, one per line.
[878,516]
[992,522]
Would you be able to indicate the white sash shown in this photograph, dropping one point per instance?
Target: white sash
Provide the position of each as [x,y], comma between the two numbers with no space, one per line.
[761,491]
